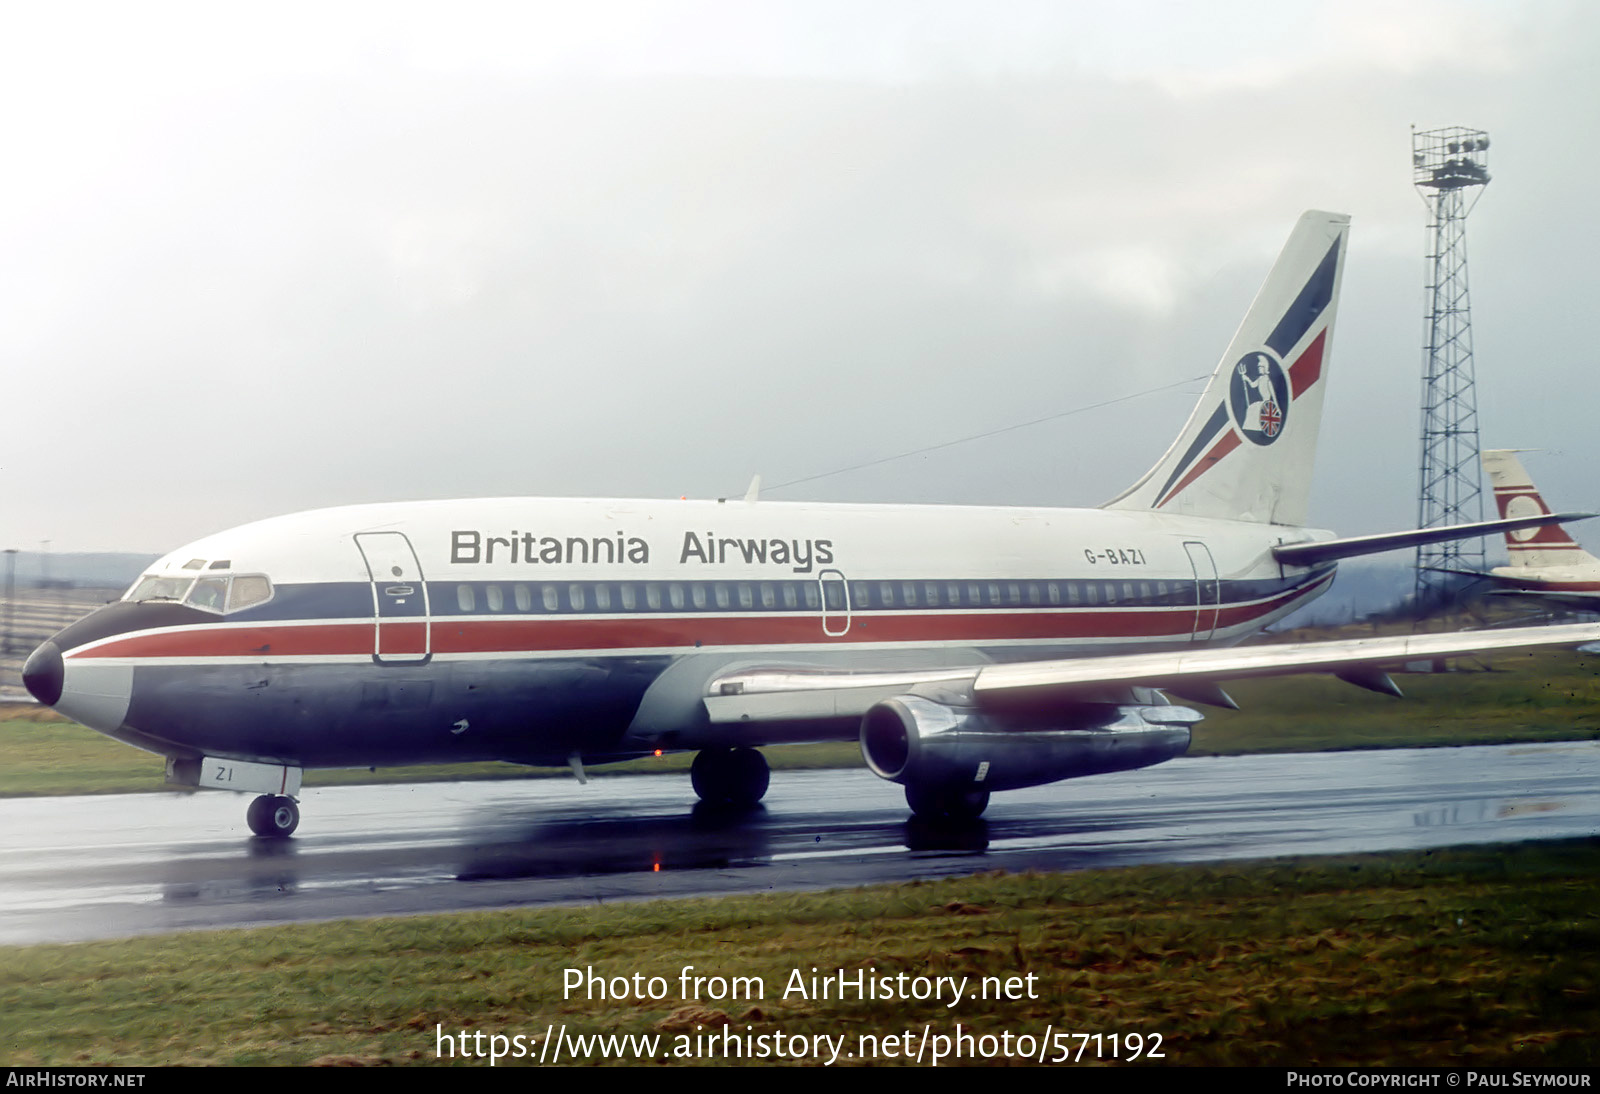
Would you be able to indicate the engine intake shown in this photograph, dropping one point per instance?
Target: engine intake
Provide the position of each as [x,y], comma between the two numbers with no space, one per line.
[909,739]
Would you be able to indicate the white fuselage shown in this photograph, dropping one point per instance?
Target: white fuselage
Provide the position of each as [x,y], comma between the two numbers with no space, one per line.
[422,613]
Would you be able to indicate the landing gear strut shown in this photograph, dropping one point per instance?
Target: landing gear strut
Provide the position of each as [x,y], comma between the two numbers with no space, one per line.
[943,803]
[273,816]
[730,776]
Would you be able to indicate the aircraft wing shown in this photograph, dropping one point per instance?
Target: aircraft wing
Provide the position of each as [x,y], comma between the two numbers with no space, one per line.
[778,694]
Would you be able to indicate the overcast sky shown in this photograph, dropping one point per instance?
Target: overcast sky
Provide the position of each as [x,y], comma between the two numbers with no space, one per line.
[255,260]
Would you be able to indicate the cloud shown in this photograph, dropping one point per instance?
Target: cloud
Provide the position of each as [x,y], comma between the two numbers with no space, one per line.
[251,270]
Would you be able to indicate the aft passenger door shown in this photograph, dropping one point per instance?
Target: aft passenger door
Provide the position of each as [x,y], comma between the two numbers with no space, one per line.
[1207,590]
[399,598]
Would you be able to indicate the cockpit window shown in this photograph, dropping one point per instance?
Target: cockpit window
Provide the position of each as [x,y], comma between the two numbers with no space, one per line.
[151,587]
[209,594]
[248,591]
[221,594]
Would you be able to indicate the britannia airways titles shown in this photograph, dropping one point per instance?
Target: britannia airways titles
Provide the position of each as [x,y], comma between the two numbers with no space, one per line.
[470,547]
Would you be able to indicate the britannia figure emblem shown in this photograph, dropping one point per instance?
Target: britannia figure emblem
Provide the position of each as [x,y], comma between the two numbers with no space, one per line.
[1258,396]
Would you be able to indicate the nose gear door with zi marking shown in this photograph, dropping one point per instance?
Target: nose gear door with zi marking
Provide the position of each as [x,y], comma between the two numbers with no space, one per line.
[399,599]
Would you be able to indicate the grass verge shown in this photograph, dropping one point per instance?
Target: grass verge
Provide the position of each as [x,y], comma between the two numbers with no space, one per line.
[1484,956]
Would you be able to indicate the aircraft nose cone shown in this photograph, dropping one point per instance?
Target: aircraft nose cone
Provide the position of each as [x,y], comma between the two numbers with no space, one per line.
[42,674]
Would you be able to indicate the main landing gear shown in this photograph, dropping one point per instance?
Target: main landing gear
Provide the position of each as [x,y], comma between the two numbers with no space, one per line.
[732,777]
[273,816]
[947,804]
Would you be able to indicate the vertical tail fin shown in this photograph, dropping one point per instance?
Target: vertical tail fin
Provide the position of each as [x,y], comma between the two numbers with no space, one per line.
[1247,450]
[1515,494]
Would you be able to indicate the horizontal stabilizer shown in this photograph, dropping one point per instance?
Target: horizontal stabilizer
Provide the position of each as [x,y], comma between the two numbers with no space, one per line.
[1327,550]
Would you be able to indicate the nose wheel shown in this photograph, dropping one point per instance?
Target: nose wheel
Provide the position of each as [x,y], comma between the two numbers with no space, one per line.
[273,816]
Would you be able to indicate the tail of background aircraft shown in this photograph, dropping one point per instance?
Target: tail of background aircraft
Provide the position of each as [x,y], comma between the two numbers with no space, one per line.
[1515,494]
[1248,448]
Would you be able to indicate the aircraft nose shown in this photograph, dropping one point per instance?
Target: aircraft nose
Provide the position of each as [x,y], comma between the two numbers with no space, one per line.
[42,674]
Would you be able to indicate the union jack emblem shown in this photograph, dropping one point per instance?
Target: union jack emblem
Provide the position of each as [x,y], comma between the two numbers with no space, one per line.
[1271,418]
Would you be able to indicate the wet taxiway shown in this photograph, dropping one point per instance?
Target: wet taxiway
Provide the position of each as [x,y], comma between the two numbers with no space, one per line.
[95,867]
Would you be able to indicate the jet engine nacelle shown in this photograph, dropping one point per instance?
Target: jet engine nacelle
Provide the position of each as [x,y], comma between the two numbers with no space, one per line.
[916,741]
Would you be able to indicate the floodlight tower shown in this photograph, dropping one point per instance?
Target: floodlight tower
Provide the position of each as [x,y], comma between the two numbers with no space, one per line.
[1450,169]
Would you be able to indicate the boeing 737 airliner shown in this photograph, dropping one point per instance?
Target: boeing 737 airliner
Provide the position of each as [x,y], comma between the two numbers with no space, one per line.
[970,649]
[1546,564]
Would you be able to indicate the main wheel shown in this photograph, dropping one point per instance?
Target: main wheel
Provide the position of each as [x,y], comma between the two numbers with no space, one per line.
[736,777]
[272,816]
[943,803]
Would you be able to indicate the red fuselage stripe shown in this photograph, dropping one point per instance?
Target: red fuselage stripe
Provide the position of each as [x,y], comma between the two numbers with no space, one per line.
[514,636]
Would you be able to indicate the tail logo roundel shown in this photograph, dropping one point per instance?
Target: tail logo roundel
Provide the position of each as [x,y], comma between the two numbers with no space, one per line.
[1258,396]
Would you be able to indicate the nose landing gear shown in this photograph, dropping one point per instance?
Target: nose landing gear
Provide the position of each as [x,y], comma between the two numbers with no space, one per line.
[273,816]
